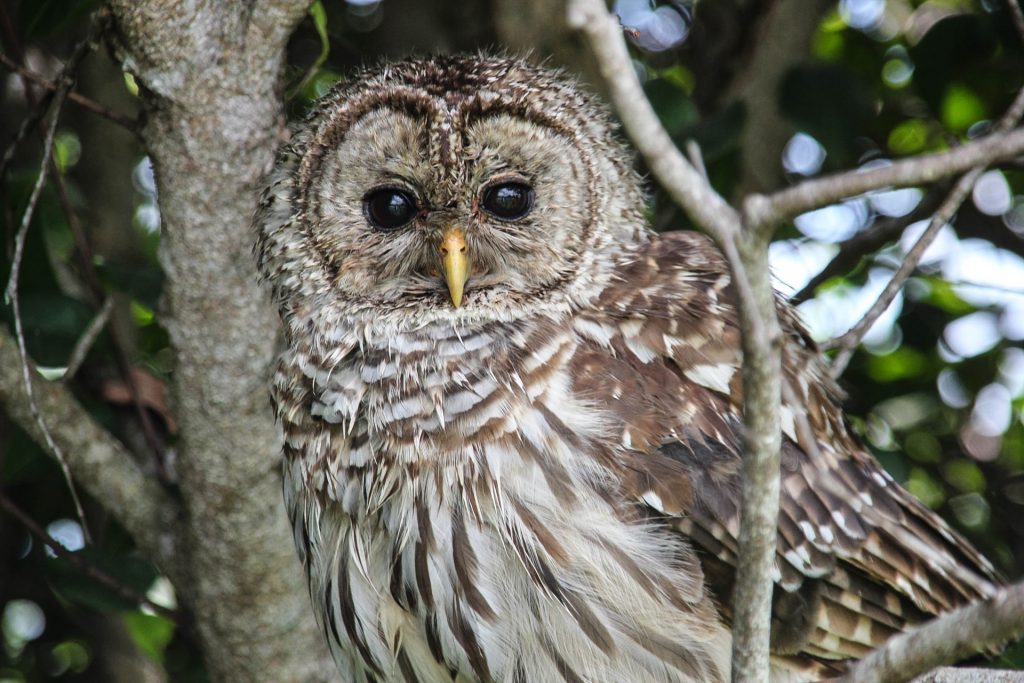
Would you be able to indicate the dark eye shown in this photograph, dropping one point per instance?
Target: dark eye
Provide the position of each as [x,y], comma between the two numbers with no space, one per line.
[388,208]
[508,201]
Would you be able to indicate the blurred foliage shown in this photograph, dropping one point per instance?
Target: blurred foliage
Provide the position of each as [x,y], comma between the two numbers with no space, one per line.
[923,76]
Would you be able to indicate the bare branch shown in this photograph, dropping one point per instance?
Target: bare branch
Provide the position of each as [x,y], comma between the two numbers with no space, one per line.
[881,232]
[850,339]
[747,253]
[98,461]
[95,107]
[949,674]
[697,159]
[88,338]
[946,639]
[679,178]
[11,293]
[1018,16]
[87,568]
[811,194]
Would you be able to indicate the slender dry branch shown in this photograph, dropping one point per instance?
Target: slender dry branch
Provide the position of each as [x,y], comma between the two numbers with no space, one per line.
[1018,16]
[870,240]
[747,253]
[11,293]
[770,210]
[88,338]
[847,342]
[28,124]
[679,178]
[86,103]
[84,566]
[946,639]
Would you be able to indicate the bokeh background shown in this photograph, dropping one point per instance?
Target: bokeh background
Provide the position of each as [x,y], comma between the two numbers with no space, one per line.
[772,91]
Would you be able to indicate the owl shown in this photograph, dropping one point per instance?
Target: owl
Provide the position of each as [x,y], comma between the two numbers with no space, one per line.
[512,412]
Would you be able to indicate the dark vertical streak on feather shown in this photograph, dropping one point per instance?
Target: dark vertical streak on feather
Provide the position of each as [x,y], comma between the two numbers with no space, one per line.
[463,632]
[541,533]
[563,668]
[405,666]
[433,638]
[558,480]
[465,563]
[348,617]
[424,546]
[697,665]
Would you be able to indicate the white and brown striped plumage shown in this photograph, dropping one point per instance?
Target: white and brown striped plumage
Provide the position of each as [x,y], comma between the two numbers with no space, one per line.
[541,483]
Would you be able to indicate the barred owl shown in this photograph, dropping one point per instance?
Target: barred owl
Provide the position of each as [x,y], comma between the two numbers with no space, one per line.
[512,412]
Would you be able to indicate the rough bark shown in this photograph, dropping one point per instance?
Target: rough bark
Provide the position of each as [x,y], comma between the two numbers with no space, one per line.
[209,73]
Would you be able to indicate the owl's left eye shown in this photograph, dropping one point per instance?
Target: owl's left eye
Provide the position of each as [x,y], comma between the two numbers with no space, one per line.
[508,201]
[388,208]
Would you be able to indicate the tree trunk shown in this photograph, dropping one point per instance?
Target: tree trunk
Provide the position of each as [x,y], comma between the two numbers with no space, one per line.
[209,78]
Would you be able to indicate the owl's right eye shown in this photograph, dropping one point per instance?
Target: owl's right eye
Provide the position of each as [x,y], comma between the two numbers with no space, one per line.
[388,208]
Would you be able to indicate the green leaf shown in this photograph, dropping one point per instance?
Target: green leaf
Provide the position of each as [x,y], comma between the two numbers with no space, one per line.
[131,84]
[151,633]
[319,16]
[908,137]
[943,296]
[965,475]
[962,108]
[902,363]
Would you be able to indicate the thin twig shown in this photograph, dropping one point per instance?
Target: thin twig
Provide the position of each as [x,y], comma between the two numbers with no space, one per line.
[770,210]
[1018,16]
[11,294]
[28,124]
[121,356]
[870,240]
[84,250]
[88,338]
[87,103]
[849,340]
[696,158]
[745,248]
[83,565]
[679,178]
[946,639]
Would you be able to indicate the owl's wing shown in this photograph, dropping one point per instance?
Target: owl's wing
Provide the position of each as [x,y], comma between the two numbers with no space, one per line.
[859,558]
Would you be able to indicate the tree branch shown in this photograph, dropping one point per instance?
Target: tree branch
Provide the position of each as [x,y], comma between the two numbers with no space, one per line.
[847,342]
[98,461]
[870,240]
[811,194]
[679,178]
[95,107]
[747,253]
[80,563]
[946,639]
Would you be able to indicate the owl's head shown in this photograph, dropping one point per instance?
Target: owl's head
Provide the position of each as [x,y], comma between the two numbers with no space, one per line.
[468,188]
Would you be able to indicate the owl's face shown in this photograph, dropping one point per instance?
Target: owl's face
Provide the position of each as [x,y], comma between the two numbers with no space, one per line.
[454,187]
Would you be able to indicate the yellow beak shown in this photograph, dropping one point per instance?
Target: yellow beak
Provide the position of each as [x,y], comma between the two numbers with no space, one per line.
[455,261]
